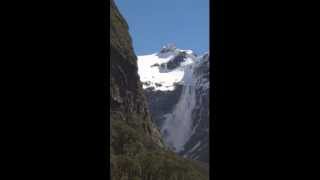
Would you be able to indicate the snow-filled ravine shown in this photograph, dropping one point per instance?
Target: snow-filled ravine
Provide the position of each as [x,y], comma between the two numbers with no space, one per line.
[161,72]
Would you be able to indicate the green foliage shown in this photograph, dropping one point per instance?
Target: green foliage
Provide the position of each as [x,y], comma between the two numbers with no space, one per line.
[125,139]
[136,178]
[155,166]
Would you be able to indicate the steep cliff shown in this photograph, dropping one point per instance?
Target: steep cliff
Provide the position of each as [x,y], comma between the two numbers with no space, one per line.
[137,150]
[127,102]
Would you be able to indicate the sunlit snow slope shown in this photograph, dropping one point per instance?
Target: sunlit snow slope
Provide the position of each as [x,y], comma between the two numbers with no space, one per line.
[162,70]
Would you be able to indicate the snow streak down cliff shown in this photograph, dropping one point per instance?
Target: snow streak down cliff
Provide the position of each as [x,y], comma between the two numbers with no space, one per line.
[177,127]
[174,81]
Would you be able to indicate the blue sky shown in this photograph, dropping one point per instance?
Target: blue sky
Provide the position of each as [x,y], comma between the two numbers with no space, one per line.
[154,23]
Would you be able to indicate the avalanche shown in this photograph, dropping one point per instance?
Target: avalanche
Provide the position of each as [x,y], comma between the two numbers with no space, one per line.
[177,127]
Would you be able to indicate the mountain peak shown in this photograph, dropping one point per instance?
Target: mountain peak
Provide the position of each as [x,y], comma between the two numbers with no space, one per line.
[170,47]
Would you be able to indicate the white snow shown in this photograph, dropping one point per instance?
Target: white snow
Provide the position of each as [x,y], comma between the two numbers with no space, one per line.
[156,75]
[153,74]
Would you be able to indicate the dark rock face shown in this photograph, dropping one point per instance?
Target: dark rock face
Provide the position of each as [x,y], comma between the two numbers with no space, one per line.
[162,102]
[136,147]
[175,62]
[127,102]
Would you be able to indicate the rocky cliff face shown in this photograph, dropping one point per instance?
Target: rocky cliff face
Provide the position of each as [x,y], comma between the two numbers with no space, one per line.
[136,148]
[127,102]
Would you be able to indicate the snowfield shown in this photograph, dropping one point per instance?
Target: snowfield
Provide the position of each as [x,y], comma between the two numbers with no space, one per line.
[151,74]
[162,79]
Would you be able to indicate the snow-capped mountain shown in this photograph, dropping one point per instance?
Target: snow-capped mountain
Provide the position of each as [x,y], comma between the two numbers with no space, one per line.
[162,70]
[176,83]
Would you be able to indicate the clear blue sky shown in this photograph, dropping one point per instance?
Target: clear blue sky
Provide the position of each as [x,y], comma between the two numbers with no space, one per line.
[154,23]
